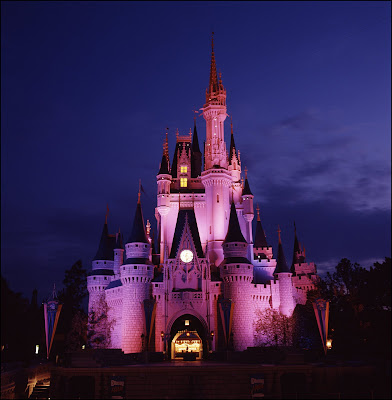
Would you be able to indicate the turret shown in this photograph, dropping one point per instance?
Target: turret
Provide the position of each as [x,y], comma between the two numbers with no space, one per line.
[283,274]
[248,214]
[102,266]
[164,180]
[118,252]
[216,178]
[214,112]
[135,274]
[235,168]
[196,161]
[261,248]
[237,274]
[298,253]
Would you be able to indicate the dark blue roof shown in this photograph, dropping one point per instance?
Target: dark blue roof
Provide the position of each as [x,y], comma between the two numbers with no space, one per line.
[281,264]
[138,233]
[106,246]
[114,284]
[182,216]
[234,233]
[164,167]
[236,260]
[246,190]
[158,278]
[119,241]
[260,239]
[138,260]
[101,272]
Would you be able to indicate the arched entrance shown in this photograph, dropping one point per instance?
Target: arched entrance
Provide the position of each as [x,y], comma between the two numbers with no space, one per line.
[188,339]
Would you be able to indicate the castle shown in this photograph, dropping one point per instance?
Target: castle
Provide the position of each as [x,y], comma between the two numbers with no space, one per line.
[199,291]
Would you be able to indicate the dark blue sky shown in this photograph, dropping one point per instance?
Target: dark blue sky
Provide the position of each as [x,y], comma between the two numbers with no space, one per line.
[89,87]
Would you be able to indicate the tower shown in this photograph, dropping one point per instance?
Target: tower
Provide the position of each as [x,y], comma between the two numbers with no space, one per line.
[164,179]
[237,274]
[136,274]
[248,214]
[282,272]
[216,178]
[235,168]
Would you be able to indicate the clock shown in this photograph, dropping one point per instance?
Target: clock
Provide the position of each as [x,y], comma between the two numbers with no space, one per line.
[186,256]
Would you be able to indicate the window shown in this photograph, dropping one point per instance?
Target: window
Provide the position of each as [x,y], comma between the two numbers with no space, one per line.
[217,198]
[183,182]
[184,169]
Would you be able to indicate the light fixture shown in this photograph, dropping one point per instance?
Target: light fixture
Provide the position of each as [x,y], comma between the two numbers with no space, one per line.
[36,348]
[187,322]
[329,344]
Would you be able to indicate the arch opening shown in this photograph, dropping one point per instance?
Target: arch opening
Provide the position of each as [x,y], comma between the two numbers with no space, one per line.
[188,339]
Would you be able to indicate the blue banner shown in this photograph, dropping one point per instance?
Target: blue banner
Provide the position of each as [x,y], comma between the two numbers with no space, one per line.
[226,307]
[149,308]
[51,314]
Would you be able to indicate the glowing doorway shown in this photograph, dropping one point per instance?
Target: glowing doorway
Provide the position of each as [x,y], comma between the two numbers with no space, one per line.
[186,345]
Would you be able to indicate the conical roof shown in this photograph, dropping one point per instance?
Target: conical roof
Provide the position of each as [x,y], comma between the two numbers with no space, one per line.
[105,250]
[234,233]
[164,167]
[213,86]
[195,140]
[260,239]
[138,233]
[246,190]
[119,241]
[281,264]
[232,144]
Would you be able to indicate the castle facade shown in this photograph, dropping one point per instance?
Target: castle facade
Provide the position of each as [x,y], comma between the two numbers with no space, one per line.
[199,289]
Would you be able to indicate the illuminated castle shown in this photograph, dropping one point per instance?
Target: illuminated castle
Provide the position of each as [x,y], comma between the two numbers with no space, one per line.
[209,268]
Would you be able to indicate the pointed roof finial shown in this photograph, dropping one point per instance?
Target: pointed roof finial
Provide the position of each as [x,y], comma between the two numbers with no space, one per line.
[280,241]
[246,172]
[295,228]
[213,87]
[258,212]
[231,125]
[138,195]
[107,213]
[177,133]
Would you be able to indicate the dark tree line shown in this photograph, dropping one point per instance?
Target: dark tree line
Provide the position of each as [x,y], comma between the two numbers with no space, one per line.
[360,308]
[23,325]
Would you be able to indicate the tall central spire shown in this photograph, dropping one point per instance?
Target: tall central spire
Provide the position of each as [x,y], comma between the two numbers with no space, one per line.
[213,87]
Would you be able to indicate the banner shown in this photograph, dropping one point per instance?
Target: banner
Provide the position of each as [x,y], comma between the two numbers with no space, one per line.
[52,311]
[226,307]
[257,386]
[117,387]
[149,308]
[321,310]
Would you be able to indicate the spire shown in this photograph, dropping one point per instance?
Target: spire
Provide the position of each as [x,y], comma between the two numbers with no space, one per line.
[104,251]
[196,158]
[232,144]
[260,239]
[119,240]
[165,162]
[138,233]
[195,140]
[213,86]
[298,254]
[281,264]
[246,190]
[234,233]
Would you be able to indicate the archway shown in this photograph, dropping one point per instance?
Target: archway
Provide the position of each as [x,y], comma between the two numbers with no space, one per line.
[188,339]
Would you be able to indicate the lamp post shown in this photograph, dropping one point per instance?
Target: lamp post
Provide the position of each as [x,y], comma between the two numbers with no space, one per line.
[165,337]
[211,340]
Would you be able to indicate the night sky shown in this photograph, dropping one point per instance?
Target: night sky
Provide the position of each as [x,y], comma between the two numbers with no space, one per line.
[88,88]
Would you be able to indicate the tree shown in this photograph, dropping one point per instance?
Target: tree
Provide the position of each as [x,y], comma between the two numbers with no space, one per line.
[73,319]
[360,307]
[100,325]
[77,336]
[273,328]
[13,324]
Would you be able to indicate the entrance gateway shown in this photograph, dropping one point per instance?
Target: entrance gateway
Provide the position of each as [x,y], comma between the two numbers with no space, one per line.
[188,339]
